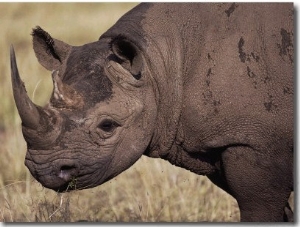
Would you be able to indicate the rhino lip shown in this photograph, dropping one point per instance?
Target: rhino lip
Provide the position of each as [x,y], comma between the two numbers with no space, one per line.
[59,184]
[65,188]
[61,176]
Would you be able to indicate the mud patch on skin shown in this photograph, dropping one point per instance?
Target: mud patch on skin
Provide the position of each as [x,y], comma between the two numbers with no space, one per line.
[216,104]
[242,54]
[287,91]
[255,57]
[270,106]
[208,74]
[209,57]
[267,79]
[252,76]
[231,9]
[250,73]
[286,46]
[250,58]
[208,97]
[246,57]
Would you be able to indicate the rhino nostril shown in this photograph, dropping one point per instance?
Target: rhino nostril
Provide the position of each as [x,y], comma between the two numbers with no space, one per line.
[67,172]
[67,168]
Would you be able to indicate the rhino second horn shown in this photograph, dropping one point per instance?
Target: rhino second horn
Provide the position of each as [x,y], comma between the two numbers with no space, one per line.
[64,96]
[28,111]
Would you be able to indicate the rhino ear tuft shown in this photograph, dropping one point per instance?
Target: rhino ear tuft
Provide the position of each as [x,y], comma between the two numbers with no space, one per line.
[128,54]
[50,52]
[45,40]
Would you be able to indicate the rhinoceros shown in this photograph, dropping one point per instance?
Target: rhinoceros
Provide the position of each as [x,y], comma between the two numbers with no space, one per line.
[206,86]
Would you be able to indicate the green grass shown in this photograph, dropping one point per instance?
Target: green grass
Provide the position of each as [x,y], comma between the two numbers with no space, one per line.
[151,190]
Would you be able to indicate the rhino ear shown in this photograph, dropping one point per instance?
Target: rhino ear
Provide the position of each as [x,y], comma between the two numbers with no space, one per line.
[128,54]
[50,52]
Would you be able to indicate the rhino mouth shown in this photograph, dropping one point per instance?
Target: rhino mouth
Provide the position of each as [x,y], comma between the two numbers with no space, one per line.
[59,184]
[61,176]
[64,175]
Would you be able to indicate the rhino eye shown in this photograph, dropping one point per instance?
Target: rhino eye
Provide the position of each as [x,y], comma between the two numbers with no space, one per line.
[108,125]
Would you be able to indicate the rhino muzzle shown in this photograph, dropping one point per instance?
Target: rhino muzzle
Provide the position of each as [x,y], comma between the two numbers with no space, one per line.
[60,176]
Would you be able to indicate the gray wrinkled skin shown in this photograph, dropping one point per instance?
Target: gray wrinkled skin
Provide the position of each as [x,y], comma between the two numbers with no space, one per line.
[208,87]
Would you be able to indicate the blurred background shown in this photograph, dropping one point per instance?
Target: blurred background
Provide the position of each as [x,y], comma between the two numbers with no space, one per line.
[151,190]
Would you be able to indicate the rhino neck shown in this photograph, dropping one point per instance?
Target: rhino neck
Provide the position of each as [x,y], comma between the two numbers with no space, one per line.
[165,70]
[163,55]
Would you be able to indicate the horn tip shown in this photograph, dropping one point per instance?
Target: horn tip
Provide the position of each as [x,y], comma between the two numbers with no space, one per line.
[13,63]
[12,50]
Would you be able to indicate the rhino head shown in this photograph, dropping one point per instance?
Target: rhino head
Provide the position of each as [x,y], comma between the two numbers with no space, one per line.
[101,116]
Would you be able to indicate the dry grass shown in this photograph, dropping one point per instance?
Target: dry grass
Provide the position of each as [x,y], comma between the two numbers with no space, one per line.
[151,190]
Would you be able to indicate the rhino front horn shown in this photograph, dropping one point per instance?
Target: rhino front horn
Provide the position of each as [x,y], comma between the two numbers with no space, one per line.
[28,111]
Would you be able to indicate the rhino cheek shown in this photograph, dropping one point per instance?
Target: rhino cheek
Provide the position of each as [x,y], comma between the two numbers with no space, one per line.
[137,136]
[135,141]
[125,156]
